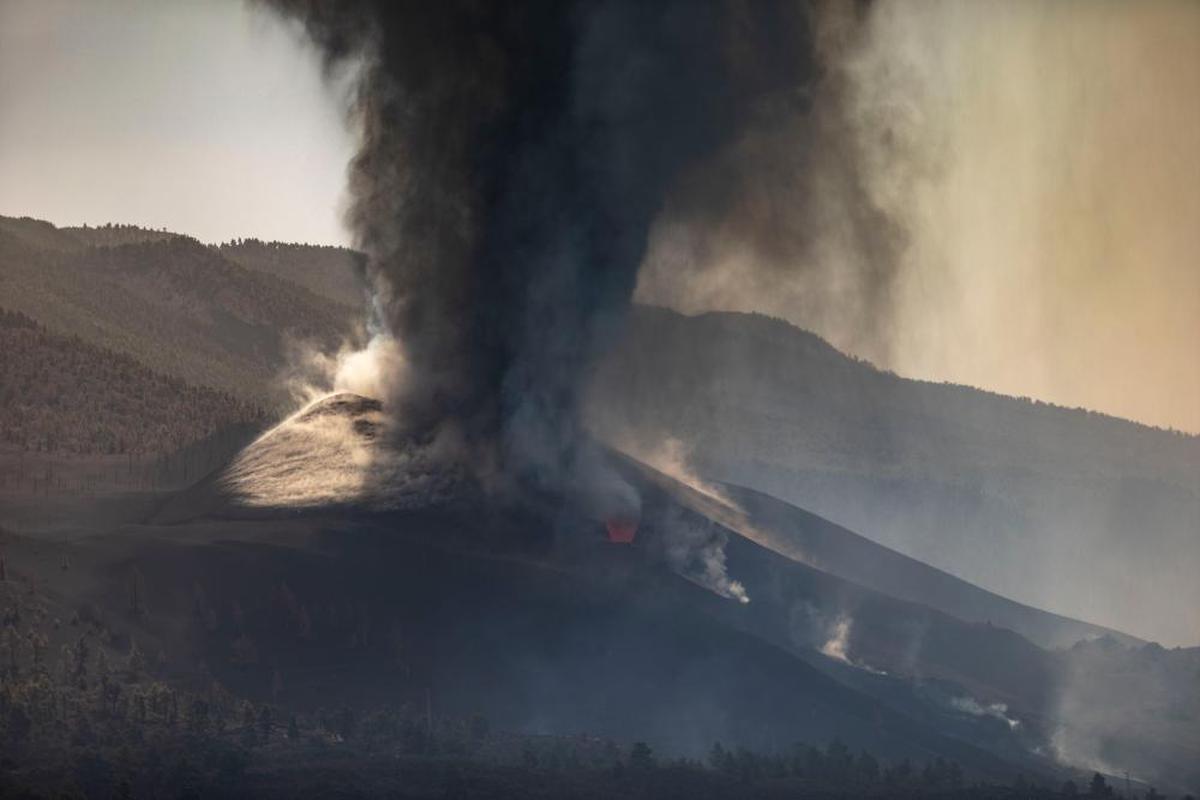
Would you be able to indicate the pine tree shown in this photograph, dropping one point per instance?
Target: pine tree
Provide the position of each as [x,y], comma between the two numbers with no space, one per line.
[135,664]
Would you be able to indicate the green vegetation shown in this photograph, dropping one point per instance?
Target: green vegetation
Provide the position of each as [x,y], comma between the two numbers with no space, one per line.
[331,272]
[89,710]
[170,302]
[110,235]
[96,727]
[59,394]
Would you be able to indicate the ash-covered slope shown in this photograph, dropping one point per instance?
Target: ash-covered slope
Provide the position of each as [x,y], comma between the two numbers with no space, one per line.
[356,615]
[320,456]
[1093,705]
[1088,515]
[334,454]
[551,621]
[812,540]
[331,454]
[540,619]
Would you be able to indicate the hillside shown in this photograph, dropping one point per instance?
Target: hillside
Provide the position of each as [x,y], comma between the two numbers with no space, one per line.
[811,540]
[61,395]
[331,272]
[1041,504]
[45,235]
[537,626]
[173,304]
[343,631]
[110,235]
[873,621]
[38,235]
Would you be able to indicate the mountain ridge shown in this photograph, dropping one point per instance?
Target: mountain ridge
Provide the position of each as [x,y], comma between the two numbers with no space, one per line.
[1018,497]
[1036,503]
[172,303]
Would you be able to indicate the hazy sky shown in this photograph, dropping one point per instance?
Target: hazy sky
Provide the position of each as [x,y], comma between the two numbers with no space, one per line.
[1048,178]
[1037,165]
[201,116]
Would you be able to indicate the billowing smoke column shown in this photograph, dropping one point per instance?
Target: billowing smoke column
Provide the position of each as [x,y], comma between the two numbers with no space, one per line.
[513,158]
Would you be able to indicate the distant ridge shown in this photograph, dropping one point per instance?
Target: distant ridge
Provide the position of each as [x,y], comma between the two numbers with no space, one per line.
[111,235]
[331,272]
[1085,514]
[172,303]
[1074,511]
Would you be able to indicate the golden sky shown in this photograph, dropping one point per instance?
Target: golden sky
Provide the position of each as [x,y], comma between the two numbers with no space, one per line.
[1058,254]
[205,117]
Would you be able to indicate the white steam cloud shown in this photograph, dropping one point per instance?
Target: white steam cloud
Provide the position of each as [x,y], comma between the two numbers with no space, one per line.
[828,631]
[836,645]
[969,705]
[371,370]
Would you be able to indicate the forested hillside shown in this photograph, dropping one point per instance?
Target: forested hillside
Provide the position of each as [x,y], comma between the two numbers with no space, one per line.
[331,272]
[170,302]
[110,235]
[61,395]
[38,235]
[44,235]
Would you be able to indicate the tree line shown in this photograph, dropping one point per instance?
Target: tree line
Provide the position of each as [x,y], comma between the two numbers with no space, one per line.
[100,717]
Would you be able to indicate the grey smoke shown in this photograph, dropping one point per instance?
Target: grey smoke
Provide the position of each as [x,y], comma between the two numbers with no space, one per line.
[984,193]
[791,218]
[695,548]
[969,705]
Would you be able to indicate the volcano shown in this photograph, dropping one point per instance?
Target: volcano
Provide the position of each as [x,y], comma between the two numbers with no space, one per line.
[357,573]
[331,453]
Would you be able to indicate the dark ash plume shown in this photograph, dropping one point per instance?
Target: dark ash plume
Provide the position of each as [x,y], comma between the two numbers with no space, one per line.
[513,158]
[791,219]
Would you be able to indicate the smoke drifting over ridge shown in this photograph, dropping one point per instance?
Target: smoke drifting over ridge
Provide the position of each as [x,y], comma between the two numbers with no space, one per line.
[788,219]
[513,159]
[1005,195]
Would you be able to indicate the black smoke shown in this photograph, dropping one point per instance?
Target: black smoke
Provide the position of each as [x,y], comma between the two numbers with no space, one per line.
[513,158]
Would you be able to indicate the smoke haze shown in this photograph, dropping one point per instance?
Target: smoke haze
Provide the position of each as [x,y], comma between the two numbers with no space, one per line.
[1000,194]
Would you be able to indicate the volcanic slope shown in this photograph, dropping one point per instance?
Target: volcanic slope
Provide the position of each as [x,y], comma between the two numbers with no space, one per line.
[874,621]
[1098,702]
[810,539]
[1063,509]
[355,616]
[331,454]
[320,462]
